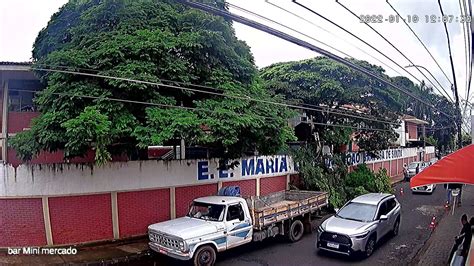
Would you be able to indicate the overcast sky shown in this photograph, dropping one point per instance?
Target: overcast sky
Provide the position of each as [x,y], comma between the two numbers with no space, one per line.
[21,20]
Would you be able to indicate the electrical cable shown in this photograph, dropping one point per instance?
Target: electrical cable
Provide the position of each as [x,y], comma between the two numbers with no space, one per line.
[286,27]
[456,94]
[302,43]
[358,38]
[419,40]
[186,108]
[247,98]
[400,52]
[466,44]
[327,31]
[320,108]
[466,32]
[275,22]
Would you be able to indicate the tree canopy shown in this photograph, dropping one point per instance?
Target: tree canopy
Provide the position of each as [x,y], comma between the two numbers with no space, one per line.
[153,41]
[321,82]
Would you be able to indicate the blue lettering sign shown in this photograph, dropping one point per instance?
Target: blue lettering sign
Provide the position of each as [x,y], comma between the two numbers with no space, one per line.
[260,168]
[203,168]
[270,167]
[283,165]
[348,159]
[248,168]
[223,173]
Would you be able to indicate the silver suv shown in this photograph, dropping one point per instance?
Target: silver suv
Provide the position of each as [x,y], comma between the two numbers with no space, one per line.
[360,224]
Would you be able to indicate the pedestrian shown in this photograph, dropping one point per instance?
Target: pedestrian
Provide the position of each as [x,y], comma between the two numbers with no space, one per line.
[405,171]
[472,223]
[457,186]
[448,194]
[464,238]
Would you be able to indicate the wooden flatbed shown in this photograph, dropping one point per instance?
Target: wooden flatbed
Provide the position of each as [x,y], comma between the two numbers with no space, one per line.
[279,206]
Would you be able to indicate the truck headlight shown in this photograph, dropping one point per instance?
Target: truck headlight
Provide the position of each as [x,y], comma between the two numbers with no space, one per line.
[182,246]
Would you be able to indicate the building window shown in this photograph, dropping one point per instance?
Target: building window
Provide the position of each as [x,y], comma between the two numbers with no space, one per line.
[21,95]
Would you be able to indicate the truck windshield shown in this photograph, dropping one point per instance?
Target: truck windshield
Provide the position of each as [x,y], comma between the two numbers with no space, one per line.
[358,212]
[206,211]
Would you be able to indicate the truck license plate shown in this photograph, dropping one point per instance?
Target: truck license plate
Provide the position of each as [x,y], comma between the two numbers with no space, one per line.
[332,245]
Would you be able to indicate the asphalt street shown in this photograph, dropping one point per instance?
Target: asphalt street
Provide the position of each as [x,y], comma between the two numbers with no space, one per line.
[417,213]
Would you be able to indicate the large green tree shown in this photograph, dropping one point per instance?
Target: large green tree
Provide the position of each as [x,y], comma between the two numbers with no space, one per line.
[151,41]
[322,83]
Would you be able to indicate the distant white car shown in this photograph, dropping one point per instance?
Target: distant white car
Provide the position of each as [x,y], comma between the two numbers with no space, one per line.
[424,189]
[412,168]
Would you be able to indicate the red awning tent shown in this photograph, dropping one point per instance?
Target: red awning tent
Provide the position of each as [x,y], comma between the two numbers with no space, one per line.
[458,167]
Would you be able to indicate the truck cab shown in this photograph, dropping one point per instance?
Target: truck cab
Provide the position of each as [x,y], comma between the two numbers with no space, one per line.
[213,224]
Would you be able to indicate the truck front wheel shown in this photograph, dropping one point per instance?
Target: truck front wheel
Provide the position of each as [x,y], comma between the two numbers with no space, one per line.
[204,256]
[296,231]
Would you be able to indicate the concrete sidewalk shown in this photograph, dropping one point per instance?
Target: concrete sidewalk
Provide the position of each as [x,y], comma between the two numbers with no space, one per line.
[396,179]
[105,254]
[437,248]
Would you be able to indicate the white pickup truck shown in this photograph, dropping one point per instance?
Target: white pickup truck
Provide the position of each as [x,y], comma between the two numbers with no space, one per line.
[218,223]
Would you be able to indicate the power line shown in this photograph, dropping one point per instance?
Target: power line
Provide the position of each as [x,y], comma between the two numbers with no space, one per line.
[467,38]
[305,44]
[161,79]
[286,27]
[459,122]
[247,98]
[358,38]
[422,43]
[282,25]
[186,108]
[318,108]
[398,50]
[471,47]
[327,31]
[133,102]
[466,44]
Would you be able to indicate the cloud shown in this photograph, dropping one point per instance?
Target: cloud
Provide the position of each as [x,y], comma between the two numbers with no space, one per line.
[20,22]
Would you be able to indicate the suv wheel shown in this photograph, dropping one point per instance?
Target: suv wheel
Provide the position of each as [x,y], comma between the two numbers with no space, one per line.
[396,227]
[370,246]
